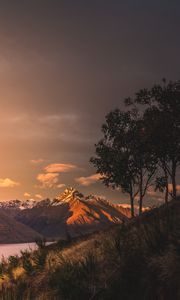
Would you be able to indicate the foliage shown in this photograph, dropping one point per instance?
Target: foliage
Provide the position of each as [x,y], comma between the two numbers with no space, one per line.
[39,258]
[13,261]
[162,112]
[141,146]
[41,243]
[26,262]
[76,280]
[123,156]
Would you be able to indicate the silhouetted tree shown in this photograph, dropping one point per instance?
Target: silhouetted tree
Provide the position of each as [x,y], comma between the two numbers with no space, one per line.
[162,111]
[123,157]
[141,147]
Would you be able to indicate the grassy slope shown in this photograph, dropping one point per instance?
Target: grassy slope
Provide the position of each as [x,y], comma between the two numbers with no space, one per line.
[138,260]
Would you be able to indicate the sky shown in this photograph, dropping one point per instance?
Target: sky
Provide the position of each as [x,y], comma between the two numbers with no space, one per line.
[63,66]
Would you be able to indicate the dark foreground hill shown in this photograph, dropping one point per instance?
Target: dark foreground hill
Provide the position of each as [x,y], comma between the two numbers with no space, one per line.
[139,260]
[12,231]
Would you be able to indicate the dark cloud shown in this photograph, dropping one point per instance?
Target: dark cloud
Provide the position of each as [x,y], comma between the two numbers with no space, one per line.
[65,64]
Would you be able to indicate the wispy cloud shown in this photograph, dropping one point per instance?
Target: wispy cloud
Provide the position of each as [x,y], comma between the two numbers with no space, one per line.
[9,183]
[39,196]
[37,161]
[86,181]
[61,185]
[60,168]
[50,177]
[27,195]
[48,180]
[58,118]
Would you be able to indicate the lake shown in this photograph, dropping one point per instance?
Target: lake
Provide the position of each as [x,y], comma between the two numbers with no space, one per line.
[15,249]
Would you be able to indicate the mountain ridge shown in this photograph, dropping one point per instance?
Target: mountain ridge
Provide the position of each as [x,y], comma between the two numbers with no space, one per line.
[72,213]
[12,231]
[65,197]
[69,214]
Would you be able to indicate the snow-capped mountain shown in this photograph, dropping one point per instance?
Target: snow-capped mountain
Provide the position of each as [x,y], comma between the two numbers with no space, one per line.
[67,196]
[18,204]
[72,213]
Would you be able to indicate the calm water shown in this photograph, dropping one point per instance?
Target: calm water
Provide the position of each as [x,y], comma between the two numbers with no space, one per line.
[15,249]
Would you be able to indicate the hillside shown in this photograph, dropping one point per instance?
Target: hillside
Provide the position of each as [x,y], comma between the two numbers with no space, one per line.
[137,260]
[72,214]
[12,231]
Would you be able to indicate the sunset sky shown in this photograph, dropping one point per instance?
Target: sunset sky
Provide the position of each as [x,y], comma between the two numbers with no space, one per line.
[63,66]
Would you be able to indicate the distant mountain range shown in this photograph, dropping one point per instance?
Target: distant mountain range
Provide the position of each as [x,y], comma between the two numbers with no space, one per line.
[70,214]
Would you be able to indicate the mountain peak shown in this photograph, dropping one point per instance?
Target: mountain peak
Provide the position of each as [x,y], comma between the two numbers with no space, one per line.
[70,194]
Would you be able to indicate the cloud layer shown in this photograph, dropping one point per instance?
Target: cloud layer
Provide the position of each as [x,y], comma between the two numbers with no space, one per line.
[60,168]
[37,161]
[27,195]
[8,183]
[48,180]
[63,67]
[87,181]
[50,177]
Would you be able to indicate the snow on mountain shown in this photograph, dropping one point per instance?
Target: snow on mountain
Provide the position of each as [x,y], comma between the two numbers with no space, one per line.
[70,195]
[18,204]
[72,213]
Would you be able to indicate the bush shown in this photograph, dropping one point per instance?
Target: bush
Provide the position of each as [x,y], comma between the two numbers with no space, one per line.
[76,280]
[27,262]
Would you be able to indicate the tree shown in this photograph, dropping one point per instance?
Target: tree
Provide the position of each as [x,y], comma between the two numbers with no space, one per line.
[157,126]
[162,111]
[123,157]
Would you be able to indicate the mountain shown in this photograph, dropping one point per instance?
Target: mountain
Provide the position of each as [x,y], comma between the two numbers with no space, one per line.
[72,214]
[140,260]
[12,231]
[12,207]
[18,204]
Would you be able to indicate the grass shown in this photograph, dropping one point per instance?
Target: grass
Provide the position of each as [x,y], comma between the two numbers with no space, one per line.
[137,260]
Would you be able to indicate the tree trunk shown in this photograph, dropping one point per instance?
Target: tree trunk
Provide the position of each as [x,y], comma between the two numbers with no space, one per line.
[140,193]
[132,205]
[174,192]
[166,194]
[140,204]
[166,187]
